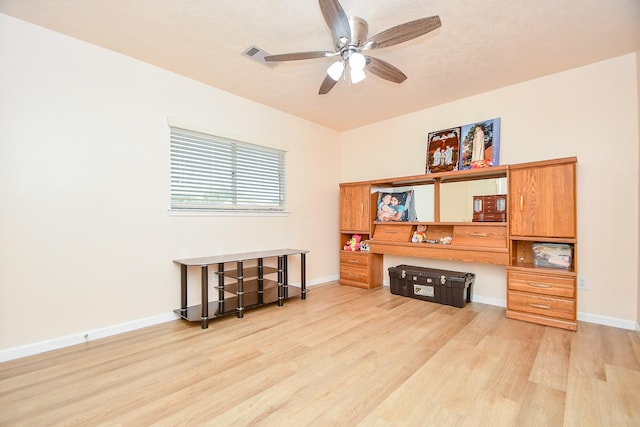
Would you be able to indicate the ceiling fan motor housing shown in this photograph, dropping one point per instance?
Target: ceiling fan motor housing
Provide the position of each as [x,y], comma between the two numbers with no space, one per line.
[359,29]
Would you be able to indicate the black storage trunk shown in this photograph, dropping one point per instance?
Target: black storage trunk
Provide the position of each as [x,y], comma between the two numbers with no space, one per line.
[431,284]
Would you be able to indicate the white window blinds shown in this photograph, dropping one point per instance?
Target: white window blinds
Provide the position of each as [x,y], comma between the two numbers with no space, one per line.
[213,173]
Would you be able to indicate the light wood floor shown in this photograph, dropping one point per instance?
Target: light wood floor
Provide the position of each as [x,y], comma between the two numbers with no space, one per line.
[343,357]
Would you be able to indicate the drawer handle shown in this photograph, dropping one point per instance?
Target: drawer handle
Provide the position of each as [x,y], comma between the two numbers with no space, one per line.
[392,232]
[540,285]
[540,306]
[479,234]
[521,203]
[353,261]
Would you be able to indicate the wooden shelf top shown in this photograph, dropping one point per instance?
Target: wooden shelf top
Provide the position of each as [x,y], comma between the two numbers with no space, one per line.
[465,175]
[475,223]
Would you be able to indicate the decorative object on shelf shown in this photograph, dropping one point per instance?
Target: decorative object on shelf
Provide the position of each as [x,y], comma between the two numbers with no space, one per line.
[353,244]
[443,150]
[446,240]
[491,208]
[556,255]
[395,205]
[364,246]
[480,145]
[420,234]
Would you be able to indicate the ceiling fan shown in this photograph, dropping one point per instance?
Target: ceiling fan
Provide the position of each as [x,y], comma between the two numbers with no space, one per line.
[350,36]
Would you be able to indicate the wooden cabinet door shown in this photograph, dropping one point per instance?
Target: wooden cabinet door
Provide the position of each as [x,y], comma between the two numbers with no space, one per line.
[354,208]
[542,201]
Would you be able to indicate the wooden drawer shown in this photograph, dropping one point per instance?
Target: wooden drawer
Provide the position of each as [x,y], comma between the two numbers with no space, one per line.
[561,286]
[354,259]
[482,236]
[560,308]
[392,233]
[354,274]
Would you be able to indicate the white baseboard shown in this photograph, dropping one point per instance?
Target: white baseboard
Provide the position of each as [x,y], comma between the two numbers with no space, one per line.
[584,317]
[609,321]
[56,343]
[323,281]
[81,337]
[489,301]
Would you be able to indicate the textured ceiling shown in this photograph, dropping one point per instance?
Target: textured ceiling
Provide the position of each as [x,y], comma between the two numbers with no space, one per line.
[481,46]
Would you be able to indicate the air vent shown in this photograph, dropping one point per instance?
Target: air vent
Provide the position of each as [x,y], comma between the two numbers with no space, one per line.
[258,55]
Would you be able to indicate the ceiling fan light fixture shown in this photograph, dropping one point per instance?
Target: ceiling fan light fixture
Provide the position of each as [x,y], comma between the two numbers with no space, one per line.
[357,61]
[335,70]
[357,75]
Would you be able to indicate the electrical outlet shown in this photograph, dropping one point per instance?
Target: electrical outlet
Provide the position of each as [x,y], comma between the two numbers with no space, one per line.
[582,283]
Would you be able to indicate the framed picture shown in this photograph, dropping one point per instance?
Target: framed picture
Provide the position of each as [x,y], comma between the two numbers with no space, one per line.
[395,205]
[480,146]
[443,150]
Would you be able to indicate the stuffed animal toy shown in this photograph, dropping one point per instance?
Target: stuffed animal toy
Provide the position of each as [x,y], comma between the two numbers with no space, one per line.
[353,244]
[420,234]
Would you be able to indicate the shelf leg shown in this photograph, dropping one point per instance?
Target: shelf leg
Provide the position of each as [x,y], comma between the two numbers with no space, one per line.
[204,317]
[260,281]
[280,281]
[303,274]
[240,290]
[220,288]
[285,273]
[183,291]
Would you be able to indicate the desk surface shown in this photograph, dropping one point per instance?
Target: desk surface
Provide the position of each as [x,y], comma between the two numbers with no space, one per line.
[239,257]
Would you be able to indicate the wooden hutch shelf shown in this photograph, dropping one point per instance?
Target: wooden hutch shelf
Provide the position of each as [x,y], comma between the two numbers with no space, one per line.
[539,198]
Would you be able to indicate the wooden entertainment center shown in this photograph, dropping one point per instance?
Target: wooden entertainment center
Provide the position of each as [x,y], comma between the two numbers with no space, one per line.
[541,210]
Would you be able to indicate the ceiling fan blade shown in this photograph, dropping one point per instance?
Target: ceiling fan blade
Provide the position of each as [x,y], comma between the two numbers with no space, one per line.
[385,70]
[403,32]
[327,84]
[298,55]
[336,19]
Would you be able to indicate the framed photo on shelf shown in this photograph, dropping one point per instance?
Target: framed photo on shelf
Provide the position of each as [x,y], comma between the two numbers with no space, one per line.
[443,150]
[480,145]
[395,205]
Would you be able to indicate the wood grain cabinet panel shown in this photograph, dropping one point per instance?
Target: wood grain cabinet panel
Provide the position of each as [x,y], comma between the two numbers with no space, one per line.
[361,269]
[393,233]
[542,210]
[543,305]
[542,200]
[355,208]
[544,284]
[480,236]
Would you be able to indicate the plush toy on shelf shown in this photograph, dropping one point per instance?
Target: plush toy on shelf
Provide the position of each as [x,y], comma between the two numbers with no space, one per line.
[420,234]
[446,240]
[353,244]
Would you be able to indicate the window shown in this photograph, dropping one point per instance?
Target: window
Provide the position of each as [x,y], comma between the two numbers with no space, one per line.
[210,173]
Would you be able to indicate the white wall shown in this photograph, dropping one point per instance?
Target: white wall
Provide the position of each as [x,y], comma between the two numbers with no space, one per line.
[638,130]
[589,112]
[87,241]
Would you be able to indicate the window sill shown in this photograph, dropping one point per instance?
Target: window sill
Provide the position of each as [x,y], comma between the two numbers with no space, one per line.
[229,213]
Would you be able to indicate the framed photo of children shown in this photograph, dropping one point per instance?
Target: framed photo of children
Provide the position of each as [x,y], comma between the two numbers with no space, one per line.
[480,146]
[395,205]
[443,150]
